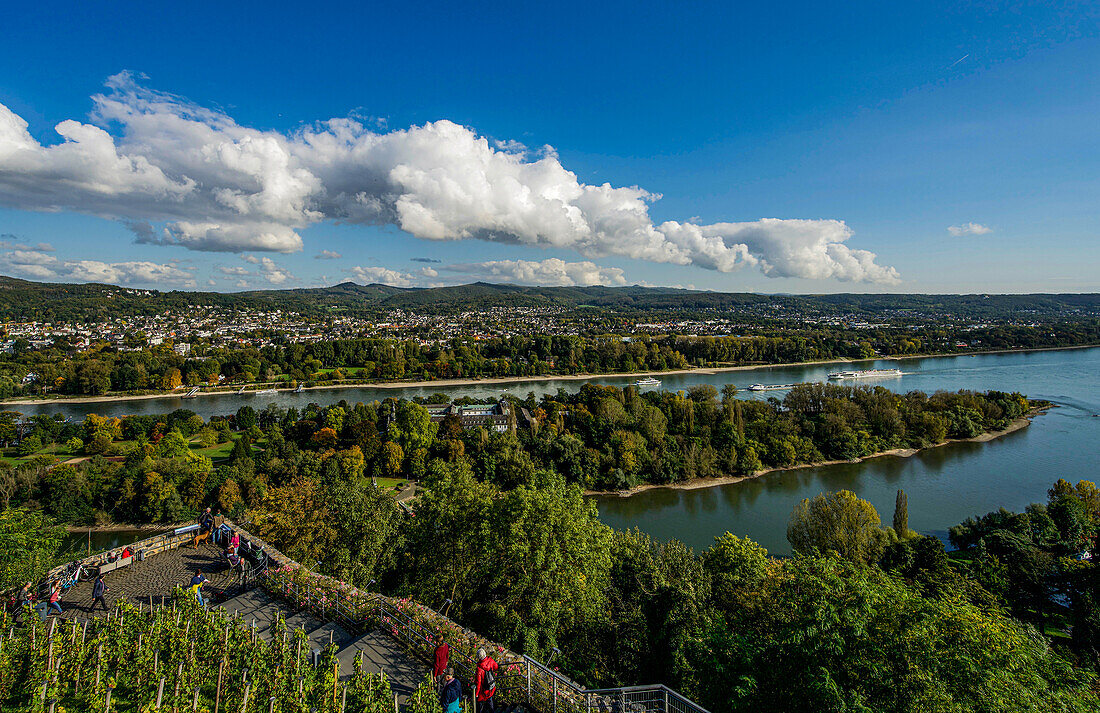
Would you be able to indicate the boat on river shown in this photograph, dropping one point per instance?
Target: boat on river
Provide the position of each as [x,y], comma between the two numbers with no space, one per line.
[866,374]
[772,387]
[648,381]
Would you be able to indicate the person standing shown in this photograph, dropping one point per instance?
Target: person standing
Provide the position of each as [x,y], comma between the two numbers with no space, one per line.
[442,658]
[450,693]
[99,588]
[55,599]
[485,682]
[196,586]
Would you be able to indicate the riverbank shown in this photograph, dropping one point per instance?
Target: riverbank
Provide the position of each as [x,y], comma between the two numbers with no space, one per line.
[698,483]
[445,383]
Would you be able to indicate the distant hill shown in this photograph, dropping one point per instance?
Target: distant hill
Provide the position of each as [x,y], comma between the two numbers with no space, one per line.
[25,300]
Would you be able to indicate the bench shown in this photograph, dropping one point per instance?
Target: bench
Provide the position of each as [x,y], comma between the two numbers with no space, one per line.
[117,564]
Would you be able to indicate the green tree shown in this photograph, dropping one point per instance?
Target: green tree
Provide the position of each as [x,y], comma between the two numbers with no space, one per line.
[391,459]
[245,418]
[29,445]
[413,428]
[29,545]
[735,565]
[822,634]
[838,522]
[901,515]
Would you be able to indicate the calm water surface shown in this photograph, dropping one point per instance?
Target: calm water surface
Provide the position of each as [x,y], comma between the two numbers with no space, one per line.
[945,485]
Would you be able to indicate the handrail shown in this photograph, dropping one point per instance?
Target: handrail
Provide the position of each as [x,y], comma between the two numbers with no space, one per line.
[414,625]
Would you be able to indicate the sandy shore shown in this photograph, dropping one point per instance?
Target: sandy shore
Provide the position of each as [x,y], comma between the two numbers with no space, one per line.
[696,483]
[443,383]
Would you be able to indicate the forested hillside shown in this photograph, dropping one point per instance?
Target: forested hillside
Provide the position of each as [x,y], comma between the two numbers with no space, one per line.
[23,300]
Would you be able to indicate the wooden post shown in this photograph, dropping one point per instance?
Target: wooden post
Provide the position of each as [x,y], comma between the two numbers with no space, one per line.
[195,700]
[247,690]
[110,690]
[335,678]
[160,692]
[218,693]
[344,698]
[271,705]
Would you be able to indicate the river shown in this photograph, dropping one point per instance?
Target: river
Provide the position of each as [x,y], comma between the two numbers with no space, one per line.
[945,485]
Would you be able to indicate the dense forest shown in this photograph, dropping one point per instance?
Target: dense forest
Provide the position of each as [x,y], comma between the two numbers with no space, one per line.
[102,369]
[864,617]
[24,300]
[602,438]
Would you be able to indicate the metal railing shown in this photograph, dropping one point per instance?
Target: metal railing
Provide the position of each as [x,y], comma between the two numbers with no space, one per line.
[639,699]
[521,679]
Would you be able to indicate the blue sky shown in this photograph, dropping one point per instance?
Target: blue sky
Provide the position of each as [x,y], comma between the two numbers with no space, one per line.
[813,147]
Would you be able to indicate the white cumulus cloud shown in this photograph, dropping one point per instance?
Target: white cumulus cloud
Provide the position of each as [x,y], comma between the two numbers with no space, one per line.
[181,174]
[43,266]
[383,276]
[969,229]
[328,255]
[551,272]
[269,269]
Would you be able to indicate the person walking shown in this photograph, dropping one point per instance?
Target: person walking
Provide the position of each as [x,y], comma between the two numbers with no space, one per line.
[442,658]
[99,588]
[23,600]
[196,586]
[450,693]
[485,682]
[55,599]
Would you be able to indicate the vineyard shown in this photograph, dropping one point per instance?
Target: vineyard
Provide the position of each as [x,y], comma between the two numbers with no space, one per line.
[181,658]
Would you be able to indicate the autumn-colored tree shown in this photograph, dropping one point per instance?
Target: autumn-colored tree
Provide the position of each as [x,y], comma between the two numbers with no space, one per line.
[229,496]
[838,522]
[296,517]
[172,379]
[325,438]
[392,458]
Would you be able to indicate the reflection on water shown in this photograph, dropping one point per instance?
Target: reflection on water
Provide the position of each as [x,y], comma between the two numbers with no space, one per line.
[945,485]
[77,543]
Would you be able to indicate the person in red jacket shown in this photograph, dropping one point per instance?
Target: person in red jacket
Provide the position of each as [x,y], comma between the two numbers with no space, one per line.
[485,683]
[442,657]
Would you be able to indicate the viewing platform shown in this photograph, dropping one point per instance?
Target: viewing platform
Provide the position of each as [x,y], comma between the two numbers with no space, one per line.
[272,596]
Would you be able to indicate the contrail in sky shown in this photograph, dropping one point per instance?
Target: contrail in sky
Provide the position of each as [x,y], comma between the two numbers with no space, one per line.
[960,59]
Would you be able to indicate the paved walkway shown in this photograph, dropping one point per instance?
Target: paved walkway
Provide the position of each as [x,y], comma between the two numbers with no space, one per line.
[154,578]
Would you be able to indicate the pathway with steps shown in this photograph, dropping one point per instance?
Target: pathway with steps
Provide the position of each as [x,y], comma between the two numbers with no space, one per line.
[155,579]
[256,608]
